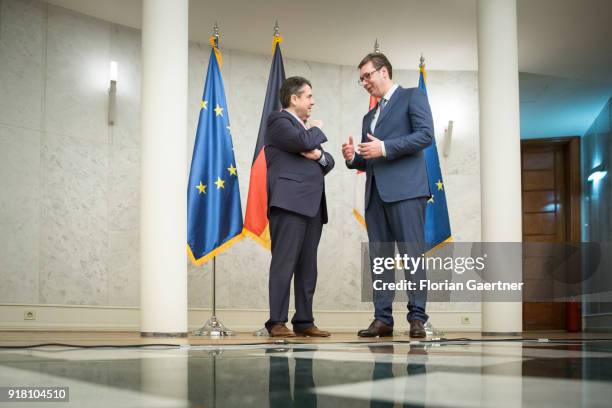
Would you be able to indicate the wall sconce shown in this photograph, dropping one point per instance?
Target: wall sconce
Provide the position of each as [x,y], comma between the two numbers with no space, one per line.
[448,134]
[112,93]
[597,173]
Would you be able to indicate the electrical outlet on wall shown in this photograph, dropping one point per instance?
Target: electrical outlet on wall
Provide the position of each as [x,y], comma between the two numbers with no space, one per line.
[465,320]
[29,315]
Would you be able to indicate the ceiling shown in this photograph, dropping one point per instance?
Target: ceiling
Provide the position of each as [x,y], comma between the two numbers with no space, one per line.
[566,39]
[554,107]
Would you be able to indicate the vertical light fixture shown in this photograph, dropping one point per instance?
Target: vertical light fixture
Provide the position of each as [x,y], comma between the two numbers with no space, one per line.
[448,134]
[112,93]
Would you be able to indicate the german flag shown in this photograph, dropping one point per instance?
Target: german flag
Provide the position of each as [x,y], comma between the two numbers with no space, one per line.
[256,217]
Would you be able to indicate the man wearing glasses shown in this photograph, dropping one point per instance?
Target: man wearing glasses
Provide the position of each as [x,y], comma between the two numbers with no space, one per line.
[394,134]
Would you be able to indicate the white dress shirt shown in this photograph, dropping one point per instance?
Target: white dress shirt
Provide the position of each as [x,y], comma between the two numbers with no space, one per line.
[387,96]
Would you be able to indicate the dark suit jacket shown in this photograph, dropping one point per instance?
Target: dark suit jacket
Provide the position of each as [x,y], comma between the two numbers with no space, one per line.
[295,183]
[405,126]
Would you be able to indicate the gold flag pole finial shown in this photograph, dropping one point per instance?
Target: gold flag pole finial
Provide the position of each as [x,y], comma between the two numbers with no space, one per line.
[215,42]
[376,46]
[216,31]
[276,39]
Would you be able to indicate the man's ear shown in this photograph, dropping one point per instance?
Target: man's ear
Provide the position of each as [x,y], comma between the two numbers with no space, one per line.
[294,99]
[385,70]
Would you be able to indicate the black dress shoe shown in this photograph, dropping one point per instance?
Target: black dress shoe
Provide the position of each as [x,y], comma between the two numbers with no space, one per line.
[377,328]
[417,330]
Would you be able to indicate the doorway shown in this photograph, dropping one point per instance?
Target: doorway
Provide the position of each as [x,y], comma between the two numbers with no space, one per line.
[551,188]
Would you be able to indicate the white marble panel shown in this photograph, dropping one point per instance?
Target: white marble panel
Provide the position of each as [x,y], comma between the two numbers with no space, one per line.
[248,264]
[200,282]
[74,245]
[78,72]
[454,96]
[249,78]
[124,268]
[21,62]
[19,214]
[199,286]
[463,200]
[124,189]
[407,78]
[125,50]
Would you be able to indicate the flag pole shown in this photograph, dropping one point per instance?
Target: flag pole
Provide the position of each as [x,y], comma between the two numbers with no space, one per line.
[213,327]
[276,39]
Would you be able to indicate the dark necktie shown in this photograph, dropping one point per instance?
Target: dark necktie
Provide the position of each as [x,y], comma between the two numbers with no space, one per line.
[383,103]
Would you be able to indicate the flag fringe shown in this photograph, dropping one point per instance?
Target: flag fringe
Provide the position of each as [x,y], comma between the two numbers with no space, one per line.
[440,245]
[359,218]
[266,244]
[214,252]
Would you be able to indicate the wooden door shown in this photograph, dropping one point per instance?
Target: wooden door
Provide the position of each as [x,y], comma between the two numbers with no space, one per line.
[550,177]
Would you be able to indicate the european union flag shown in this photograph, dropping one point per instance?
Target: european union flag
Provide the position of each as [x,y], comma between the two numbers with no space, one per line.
[437,223]
[214,214]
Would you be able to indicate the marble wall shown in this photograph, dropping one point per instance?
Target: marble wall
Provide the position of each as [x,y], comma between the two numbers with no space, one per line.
[69,203]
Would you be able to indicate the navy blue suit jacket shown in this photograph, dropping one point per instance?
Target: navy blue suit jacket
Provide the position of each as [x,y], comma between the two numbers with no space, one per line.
[405,126]
[294,182]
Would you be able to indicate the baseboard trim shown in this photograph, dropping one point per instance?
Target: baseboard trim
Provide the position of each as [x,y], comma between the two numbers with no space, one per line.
[113,318]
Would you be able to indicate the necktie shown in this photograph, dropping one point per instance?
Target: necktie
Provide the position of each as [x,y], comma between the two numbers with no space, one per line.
[383,103]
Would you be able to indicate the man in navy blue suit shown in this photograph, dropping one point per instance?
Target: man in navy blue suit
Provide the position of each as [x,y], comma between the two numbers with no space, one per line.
[296,166]
[393,137]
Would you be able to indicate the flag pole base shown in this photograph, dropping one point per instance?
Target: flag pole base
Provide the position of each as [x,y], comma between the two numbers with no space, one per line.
[213,328]
[430,331]
[261,332]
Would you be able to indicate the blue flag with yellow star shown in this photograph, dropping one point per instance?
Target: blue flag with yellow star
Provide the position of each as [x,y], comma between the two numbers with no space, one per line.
[214,214]
[437,223]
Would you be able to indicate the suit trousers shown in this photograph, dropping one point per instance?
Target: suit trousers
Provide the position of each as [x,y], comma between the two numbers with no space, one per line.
[295,241]
[400,222]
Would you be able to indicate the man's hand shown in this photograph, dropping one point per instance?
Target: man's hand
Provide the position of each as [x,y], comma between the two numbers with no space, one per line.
[314,123]
[312,154]
[371,149]
[348,149]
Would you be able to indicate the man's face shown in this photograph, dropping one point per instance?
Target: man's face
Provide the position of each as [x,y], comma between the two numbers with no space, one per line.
[303,102]
[372,79]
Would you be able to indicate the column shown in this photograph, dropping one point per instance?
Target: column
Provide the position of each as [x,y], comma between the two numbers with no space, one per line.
[163,198]
[500,147]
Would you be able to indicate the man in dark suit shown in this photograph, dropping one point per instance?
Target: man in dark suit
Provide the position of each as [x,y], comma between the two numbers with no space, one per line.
[296,207]
[393,137]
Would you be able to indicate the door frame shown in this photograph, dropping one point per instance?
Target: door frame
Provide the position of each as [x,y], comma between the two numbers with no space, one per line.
[571,146]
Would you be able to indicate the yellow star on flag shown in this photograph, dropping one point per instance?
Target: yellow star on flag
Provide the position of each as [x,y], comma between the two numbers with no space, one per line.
[218,110]
[232,170]
[439,184]
[202,188]
[204,104]
[220,183]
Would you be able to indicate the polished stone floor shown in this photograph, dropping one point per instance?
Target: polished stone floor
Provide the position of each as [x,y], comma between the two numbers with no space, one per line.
[561,373]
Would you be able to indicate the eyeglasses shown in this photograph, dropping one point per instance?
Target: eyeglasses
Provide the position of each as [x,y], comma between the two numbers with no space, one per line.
[366,76]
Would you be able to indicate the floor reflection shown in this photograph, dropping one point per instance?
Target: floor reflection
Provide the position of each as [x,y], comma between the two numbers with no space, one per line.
[393,374]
